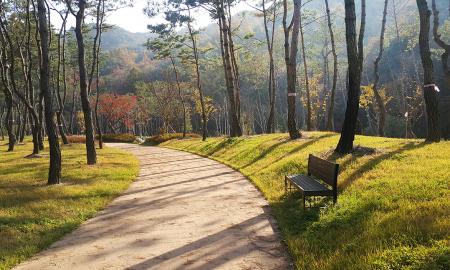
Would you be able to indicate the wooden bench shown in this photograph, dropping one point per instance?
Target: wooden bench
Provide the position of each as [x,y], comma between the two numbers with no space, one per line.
[319,170]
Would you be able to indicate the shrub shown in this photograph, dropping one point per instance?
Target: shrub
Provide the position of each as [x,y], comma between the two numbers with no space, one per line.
[120,138]
[155,140]
[76,139]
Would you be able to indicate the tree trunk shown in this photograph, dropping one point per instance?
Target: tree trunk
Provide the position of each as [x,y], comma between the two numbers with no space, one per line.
[430,95]
[24,124]
[305,67]
[9,122]
[18,121]
[36,126]
[41,134]
[9,77]
[402,78]
[330,118]
[87,112]
[54,176]
[235,126]
[378,98]
[61,52]
[290,56]
[8,96]
[199,84]
[270,126]
[437,38]
[180,95]
[97,122]
[2,135]
[72,111]
[100,13]
[40,109]
[355,58]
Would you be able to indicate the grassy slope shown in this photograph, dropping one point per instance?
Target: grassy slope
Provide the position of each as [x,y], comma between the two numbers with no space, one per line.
[393,210]
[33,215]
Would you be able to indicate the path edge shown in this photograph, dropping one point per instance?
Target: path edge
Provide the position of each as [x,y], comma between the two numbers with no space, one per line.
[273,220]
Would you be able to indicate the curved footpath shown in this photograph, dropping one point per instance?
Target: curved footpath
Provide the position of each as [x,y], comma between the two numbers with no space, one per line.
[183,212]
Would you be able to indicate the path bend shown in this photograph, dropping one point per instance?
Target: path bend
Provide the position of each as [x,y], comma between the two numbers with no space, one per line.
[182,212]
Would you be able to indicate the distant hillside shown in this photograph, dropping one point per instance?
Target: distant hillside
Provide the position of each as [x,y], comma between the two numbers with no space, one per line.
[117,37]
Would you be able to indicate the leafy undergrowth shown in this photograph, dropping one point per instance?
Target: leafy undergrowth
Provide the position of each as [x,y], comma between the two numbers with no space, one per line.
[76,139]
[119,138]
[33,215]
[158,139]
[393,209]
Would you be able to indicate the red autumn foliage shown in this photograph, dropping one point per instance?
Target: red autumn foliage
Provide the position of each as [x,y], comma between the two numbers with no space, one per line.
[118,109]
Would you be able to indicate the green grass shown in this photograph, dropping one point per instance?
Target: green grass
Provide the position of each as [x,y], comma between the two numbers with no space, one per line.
[393,208]
[34,215]
[158,139]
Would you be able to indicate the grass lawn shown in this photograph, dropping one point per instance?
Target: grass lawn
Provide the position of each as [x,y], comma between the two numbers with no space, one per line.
[34,215]
[393,209]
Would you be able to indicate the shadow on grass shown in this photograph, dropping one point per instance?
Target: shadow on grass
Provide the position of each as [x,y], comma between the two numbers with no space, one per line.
[272,148]
[223,144]
[301,147]
[12,168]
[319,235]
[370,164]
[265,153]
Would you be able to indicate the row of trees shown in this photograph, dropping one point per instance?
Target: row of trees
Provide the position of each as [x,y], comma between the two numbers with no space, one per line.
[34,55]
[64,64]
[179,13]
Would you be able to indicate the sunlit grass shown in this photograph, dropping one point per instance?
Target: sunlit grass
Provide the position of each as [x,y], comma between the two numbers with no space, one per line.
[33,215]
[393,209]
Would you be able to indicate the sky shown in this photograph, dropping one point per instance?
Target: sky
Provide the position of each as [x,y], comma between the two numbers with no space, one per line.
[134,20]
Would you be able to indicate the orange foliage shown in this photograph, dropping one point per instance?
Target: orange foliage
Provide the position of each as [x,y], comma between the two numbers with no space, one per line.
[118,108]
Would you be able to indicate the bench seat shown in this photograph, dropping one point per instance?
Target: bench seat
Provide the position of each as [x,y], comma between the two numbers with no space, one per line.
[321,179]
[309,185]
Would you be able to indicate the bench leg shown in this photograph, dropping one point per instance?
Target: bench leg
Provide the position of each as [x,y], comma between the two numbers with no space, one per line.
[304,201]
[285,185]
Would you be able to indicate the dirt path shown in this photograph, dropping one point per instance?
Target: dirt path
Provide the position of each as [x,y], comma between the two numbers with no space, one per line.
[183,212]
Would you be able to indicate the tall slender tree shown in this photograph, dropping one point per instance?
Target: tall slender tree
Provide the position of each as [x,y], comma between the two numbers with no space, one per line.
[61,75]
[10,81]
[376,90]
[305,73]
[290,57]
[429,93]
[96,47]
[91,153]
[54,176]
[97,81]
[355,55]
[193,36]
[270,14]
[221,10]
[27,69]
[8,104]
[330,117]
[167,46]
[179,13]
[438,39]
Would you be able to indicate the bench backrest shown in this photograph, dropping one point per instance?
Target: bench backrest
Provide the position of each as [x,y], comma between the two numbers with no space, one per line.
[324,170]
